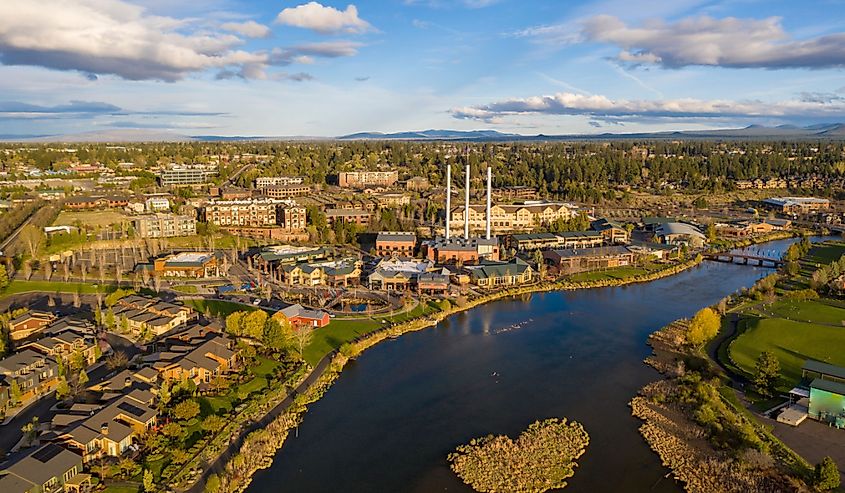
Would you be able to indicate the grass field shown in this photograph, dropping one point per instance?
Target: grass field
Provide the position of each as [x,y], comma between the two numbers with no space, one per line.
[17,287]
[827,312]
[218,308]
[614,273]
[90,218]
[792,343]
[185,288]
[342,330]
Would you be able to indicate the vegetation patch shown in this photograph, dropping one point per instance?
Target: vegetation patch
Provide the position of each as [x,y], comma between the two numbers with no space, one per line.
[542,458]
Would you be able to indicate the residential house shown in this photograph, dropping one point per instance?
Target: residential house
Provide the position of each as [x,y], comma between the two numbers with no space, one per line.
[29,323]
[34,373]
[48,469]
[302,317]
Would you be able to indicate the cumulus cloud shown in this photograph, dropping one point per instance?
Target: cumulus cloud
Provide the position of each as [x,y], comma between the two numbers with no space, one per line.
[250,29]
[602,108]
[727,42]
[112,37]
[323,19]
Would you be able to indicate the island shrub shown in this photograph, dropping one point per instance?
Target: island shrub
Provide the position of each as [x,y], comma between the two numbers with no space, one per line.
[540,459]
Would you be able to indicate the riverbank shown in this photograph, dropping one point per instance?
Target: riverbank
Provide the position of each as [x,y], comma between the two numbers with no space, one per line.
[260,447]
[700,430]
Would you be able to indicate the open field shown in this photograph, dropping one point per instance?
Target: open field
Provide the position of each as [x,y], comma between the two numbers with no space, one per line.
[792,342]
[614,273]
[825,312]
[90,218]
[218,308]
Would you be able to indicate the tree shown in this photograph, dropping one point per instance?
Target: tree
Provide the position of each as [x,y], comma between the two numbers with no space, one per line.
[30,431]
[277,333]
[212,484]
[703,326]
[149,481]
[826,476]
[62,388]
[171,430]
[186,410]
[82,378]
[710,232]
[117,361]
[302,337]
[233,323]
[15,391]
[31,236]
[213,424]
[767,372]
[4,277]
[253,324]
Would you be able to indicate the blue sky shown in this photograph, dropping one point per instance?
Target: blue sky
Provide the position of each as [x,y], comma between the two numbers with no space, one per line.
[281,68]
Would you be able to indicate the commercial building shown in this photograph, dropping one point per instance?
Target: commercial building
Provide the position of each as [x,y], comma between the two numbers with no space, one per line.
[188,174]
[455,250]
[572,261]
[490,275]
[396,243]
[195,265]
[743,229]
[157,204]
[677,233]
[365,179]
[511,218]
[544,241]
[263,182]
[348,216]
[614,233]
[163,225]
[339,273]
[393,274]
[286,191]
[796,205]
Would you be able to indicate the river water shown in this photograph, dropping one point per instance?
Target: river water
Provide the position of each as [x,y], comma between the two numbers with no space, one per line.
[389,421]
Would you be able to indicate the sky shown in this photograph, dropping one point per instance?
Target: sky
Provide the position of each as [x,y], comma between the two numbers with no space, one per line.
[328,68]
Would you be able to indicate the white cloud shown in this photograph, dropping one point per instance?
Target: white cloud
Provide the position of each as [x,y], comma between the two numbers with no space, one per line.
[323,19]
[250,29]
[112,37]
[600,107]
[727,42]
[437,4]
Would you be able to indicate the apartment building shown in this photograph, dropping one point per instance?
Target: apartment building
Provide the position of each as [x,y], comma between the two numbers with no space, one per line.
[511,218]
[276,181]
[164,225]
[364,179]
[188,174]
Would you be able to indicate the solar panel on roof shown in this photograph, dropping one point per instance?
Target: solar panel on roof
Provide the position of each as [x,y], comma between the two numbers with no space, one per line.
[47,453]
[129,408]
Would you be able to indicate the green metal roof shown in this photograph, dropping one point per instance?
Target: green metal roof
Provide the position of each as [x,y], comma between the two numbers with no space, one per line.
[828,386]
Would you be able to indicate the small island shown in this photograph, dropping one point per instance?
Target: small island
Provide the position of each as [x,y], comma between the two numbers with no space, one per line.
[540,459]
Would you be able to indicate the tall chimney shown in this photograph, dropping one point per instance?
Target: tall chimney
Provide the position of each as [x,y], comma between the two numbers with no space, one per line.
[489,193]
[466,194]
[448,197]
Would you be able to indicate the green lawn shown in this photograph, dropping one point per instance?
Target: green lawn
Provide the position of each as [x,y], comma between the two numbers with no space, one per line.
[341,330]
[251,386]
[18,286]
[792,343]
[825,253]
[218,404]
[218,308]
[626,272]
[816,311]
[122,489]
[265,367]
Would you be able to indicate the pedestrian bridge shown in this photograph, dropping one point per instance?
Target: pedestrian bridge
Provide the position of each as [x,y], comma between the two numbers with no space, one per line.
[745,259]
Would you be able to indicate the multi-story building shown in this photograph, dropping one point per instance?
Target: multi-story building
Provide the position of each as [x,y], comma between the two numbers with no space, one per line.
[364,179]
[292,219]
[355,216]
[195,265]
[35,374]
[286,191]
[252,212]
[48,469]
[163,225]
[491,275]
[797,205]
[395,242]
[391,200]
[543,241]
[157,204]
[511,218]
[188,174]
[274,181]
[461,250]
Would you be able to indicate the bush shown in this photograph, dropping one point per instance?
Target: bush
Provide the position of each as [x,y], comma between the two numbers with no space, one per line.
[826,476]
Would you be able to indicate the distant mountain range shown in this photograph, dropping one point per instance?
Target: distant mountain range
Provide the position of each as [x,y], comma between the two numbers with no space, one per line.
[832,131]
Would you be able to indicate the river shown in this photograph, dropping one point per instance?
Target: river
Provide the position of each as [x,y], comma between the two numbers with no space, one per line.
[389,421]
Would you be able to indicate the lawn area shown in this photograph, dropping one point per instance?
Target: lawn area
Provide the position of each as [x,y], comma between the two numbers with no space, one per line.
[614,273]
[90,218]
[218,308]
[18,286]
[341,330]
[265,367]
[816,311]
[218,404]
[121,489]
[825,253]
[792,343]
[251,386]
